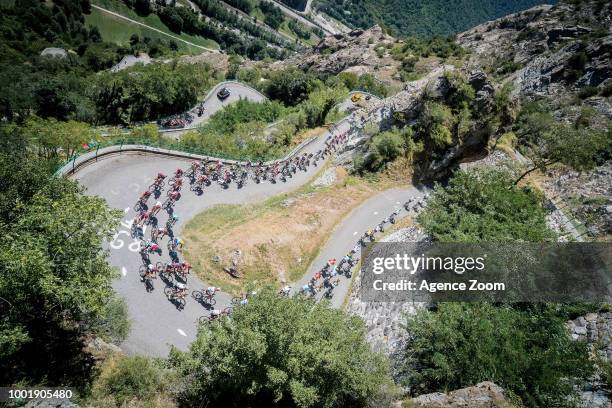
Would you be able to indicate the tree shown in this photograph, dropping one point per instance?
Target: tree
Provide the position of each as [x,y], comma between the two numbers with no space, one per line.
[484,206]
[54,276]
[290,86]
[273,16]
[528,353]
[58,140]
[283,352]
[143,7]
[576,148]
[321,102]
[157,90]
[171,18]
[134,39]
[382,149]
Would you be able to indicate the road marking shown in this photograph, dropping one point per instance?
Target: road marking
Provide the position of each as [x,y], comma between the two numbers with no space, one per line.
[397,202]
[126,209]
[355,233]
[123,271]
[182,333]
[375,212]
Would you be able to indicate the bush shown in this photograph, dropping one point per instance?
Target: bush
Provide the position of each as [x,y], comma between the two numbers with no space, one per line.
[290,86]
[385,148]
[126,379]
[587,92]
[606,90]
[526,352]
[484,206]
[283,352]
[114,325]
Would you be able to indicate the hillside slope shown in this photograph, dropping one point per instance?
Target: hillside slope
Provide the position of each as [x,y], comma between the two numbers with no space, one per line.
[422,18]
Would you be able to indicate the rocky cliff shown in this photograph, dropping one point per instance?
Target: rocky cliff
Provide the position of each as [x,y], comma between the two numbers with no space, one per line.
[546,50]
[355,52]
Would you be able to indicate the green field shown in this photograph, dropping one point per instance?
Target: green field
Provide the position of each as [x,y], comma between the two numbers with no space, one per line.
[118,30]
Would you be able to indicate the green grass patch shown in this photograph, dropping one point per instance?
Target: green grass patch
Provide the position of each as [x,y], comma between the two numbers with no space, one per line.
[109,25]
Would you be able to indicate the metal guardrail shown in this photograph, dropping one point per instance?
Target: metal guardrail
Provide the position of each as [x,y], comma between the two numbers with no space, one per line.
[79,161]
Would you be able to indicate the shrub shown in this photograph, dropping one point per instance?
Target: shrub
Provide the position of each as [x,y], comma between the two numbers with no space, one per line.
[114,325]
[384,148]
[587,92]
[133,381]
[527,352]
[283,352]
[606,90]
[484,206]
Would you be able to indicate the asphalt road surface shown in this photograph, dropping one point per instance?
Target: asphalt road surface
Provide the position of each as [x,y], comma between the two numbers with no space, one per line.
[347,233]
[212,104]
[156,322]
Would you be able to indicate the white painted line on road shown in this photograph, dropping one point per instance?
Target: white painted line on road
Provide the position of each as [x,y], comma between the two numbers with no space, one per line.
[375,212]
[123,271]
[355,233]
[126,209]
[182,333]
[397,202]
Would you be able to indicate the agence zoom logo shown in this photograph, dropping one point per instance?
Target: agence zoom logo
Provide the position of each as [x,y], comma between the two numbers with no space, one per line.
[412,264]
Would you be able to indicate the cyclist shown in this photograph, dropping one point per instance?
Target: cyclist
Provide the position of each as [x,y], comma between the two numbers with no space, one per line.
[171,221]
[145,196]
[185,267]
[152,247]
[178,182]
[143,216]
[155,209]
[158,233]
[211,290]
[174,195]
[176,243]
[181,289]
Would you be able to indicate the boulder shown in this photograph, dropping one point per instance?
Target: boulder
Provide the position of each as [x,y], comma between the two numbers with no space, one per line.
[483,395]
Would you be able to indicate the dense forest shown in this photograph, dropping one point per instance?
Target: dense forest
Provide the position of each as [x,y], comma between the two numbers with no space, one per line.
[421,18]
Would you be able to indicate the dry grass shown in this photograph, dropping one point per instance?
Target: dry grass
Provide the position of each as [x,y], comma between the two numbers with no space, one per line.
[278,238]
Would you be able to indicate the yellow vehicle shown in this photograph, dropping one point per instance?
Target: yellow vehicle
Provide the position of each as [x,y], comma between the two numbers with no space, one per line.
[356,97]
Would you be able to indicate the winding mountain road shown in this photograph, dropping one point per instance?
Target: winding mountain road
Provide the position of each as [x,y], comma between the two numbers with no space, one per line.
[122,176]
[156,323]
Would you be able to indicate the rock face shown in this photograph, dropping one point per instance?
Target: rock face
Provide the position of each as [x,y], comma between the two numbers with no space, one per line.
[596,330]
[483,395]
[384,320]
[353,52]
[591,192]
[549,49]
